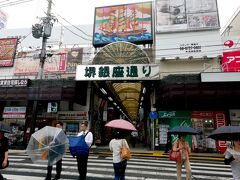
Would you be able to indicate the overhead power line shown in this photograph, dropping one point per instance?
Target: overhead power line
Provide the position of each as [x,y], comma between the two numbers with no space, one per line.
[74,32]
[73,25]
[12,3]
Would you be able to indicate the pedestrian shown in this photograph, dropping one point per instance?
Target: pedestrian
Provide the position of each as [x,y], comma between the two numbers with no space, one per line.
[232,157]
[3,153]
[58,163]
[169,142]
[83,158]
[134,136]
[182,146]
[119,165]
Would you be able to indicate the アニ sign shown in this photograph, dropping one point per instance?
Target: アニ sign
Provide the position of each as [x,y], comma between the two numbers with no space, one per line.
[231,61]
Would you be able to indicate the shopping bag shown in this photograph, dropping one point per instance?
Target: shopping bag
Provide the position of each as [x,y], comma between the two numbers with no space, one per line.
[78,145]
[125,153]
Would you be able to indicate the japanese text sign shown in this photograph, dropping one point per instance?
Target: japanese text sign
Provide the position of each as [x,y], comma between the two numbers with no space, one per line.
[14,82]
[118,72]
[231,61]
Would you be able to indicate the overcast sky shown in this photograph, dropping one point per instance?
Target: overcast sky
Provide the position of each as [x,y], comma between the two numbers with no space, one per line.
[82,11]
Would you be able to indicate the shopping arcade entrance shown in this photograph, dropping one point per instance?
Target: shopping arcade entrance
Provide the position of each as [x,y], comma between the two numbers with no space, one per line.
[123,74]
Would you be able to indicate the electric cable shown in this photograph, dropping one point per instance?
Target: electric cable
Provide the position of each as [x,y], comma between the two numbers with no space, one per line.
[74,32]
[73,25]
[14,3]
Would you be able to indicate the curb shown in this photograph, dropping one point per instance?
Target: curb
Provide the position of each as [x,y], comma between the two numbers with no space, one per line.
[164,155]
[153,154]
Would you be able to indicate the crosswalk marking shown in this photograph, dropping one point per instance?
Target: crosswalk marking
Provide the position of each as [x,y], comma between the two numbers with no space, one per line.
[99,167]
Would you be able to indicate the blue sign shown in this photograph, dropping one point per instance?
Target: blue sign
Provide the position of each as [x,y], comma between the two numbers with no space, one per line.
[153,115]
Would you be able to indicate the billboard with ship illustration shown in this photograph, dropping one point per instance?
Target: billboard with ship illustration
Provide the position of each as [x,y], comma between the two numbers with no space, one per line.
[129,22]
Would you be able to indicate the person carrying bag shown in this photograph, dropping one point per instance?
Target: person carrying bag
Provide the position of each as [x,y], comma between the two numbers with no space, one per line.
[79,147]
[125,152]
[121,154]
[182,151]
[175,155]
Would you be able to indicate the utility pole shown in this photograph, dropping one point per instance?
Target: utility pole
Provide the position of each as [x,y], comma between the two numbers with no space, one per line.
[41,30]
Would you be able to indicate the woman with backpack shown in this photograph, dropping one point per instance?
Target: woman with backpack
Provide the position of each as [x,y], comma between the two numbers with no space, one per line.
[119,164]
[182,146]
[232,157]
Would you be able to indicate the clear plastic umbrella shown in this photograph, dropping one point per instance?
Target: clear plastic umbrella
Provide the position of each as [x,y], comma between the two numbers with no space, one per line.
[47,146]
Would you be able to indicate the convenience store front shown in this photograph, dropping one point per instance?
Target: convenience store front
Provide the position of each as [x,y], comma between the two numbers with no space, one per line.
[170,119]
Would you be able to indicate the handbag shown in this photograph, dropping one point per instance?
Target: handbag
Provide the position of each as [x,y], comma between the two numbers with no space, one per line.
[125,152]
[78,145]
[174,155]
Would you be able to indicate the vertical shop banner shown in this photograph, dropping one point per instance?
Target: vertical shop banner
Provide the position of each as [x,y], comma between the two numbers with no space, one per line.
[78,56]
[157,133]
[180,15]
[163,130]
[220,120]
[27,63]
[231,61]
[74,58]
[8,48]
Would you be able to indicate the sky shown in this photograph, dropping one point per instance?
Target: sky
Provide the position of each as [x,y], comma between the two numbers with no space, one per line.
[82,11]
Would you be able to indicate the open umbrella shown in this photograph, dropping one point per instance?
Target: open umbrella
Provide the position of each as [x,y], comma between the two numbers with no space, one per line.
[47,146]
[5,128]
[182,130]
[121,124]
[226,133]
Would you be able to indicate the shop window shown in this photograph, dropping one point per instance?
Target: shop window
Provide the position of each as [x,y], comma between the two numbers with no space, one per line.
[72,128]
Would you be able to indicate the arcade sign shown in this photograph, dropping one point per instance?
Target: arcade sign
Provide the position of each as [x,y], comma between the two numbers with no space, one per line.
[117,72]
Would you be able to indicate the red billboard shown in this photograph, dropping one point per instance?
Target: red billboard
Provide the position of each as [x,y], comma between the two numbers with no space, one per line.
[7,51]
[231,61]
[26,64]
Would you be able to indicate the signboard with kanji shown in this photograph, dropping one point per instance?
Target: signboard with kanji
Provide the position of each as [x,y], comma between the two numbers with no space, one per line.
[14,112]
[14,82]
[231,61]
[117,72]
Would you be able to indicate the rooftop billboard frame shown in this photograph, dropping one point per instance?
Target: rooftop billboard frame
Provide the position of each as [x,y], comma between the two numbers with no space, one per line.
[186,15]
[127,22]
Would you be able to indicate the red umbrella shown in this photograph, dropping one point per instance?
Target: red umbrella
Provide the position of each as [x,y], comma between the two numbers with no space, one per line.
[121,124]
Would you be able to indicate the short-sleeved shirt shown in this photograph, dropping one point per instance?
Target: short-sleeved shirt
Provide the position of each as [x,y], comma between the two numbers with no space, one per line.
[88,137]
[235,164]
[3,147]
[115,146]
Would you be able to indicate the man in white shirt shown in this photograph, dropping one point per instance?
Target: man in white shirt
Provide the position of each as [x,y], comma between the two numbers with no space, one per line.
[83,159]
